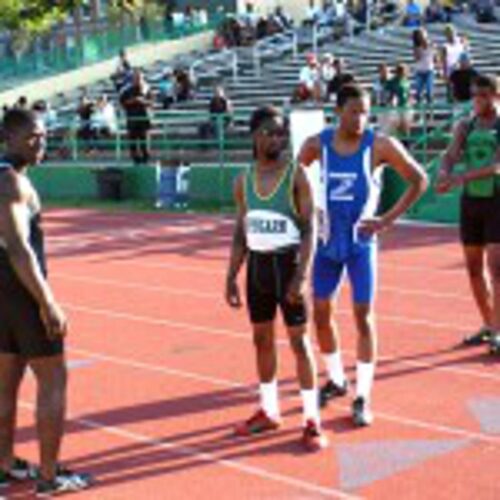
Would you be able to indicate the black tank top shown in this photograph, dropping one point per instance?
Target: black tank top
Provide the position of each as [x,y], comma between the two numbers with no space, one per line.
[36,236]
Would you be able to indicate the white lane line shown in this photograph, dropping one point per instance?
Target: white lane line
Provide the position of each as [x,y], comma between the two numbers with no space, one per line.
[192,451]
[246,337]
[410,422]
[212,295]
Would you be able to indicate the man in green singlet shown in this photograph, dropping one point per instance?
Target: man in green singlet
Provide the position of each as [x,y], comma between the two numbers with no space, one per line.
[273,234]
[477,142]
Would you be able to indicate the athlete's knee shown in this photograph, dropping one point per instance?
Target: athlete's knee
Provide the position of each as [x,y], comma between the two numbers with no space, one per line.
[263,338]
[365,319]
[300,345]
[475,269]
[494,270]
[322,317]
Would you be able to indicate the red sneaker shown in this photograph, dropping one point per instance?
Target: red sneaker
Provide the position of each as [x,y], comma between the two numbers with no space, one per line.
[313,438]
[257,423]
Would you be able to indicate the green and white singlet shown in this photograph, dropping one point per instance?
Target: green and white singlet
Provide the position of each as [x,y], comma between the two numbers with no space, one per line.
[271,222]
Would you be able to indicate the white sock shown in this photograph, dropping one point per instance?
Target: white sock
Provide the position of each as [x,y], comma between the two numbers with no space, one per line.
[310,404]
[269,399]
[335,368]
[364,379]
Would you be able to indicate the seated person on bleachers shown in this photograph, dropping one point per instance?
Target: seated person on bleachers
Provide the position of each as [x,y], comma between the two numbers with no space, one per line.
[262,28]
[309,87]
[435,13]
[413,14]
[327,74]
[123,72]
[382,97]
[399,88]
[461,80]
[281,20]
[84,112]
[221,110]
[166,89]
[312,14]
[485,11]
[341,78]
[183,86]
[103,120]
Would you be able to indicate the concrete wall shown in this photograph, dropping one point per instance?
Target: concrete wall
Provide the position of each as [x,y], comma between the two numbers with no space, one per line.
[139,56]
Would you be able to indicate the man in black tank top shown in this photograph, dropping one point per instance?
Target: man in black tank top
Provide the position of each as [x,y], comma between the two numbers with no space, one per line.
[32,325]
[477,141]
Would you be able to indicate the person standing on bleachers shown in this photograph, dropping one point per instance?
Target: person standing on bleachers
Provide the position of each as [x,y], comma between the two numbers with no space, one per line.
[461,80]
[136,100]
[451,51]
[424,67]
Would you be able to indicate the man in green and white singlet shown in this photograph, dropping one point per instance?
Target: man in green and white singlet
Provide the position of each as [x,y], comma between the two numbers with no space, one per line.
[273,234]
[477,142]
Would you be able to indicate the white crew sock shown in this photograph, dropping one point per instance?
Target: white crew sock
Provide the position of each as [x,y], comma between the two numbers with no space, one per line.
[364,379]
[269,399]
[310,405]
[335,368]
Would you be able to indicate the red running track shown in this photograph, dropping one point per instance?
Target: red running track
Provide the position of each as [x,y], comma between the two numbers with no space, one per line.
[162,370]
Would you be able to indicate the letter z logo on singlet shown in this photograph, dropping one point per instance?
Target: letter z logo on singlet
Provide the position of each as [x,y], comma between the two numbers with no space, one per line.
[342,186]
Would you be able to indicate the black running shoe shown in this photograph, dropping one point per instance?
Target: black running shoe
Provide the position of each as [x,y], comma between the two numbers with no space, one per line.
[64,481]
[330,391]
[495,344]
[483,336]
[20,470]
[361,413]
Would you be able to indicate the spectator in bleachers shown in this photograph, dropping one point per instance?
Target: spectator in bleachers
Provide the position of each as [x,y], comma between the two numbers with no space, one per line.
[183,85]
[327,74]
[46,113]
[123,73]
[166,89]
[221,111]
[462,79]
[309,87]
[413,14]
[84,131]
[451,51]
[103,121]
[22,103]
[485,11]
[136,100]
[435,13]
[281,20]
[382,97]
[342,77]
[399,88]
[424,54]
[312,14]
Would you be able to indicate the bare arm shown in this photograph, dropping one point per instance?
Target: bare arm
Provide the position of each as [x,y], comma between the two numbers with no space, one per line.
[238,248]
[304,205]
[14,232]
[310,151]
[391,151]
[451,157]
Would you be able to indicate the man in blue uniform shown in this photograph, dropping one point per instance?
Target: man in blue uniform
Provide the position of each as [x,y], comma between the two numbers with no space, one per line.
[351,157]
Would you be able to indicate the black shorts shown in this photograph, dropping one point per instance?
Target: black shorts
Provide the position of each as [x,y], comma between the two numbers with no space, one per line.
[480,220]
[268,278]
[22,331]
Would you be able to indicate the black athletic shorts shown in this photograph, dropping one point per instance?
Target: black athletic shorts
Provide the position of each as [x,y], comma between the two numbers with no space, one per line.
[268,278]
[22,331]
[480,220]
